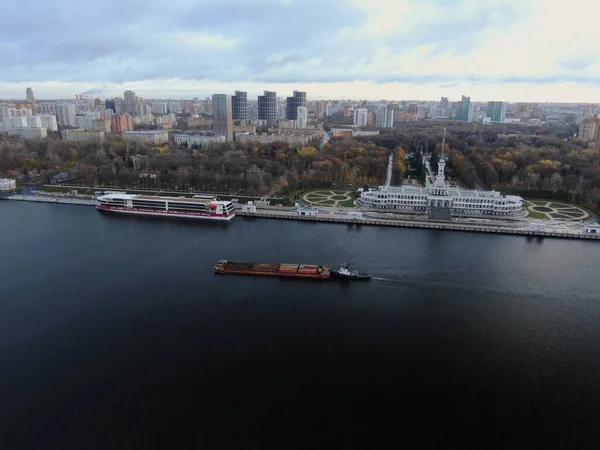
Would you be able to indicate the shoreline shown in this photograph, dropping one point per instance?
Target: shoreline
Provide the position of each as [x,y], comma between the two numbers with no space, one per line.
[403,223]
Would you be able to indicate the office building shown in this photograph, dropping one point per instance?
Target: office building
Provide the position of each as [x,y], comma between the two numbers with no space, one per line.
[360,117]
[267,108]
[222,116]
[293,103]
[384,116]
[496,111]
[239,106]
[464,110]
[129,102]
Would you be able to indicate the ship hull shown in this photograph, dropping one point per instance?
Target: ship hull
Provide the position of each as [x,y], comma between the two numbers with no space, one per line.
[151,213]
[314,272]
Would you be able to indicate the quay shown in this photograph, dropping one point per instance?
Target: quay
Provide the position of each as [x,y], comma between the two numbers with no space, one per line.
[52,199]
[422,224]
[292,214]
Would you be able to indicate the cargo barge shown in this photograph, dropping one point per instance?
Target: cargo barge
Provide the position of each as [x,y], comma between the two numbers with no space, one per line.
[274,270]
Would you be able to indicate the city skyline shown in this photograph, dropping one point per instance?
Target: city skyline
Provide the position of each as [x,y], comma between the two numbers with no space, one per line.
[529,50]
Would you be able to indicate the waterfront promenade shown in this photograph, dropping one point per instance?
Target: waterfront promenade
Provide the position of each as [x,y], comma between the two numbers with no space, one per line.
[575,231]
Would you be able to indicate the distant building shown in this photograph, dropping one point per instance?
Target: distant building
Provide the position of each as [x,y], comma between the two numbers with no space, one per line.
[33,122]
[7,184]
[267,108]
[121,122]
[385,116]
[158,108]
[222,116]
[302,117]
[197,140]
[239,106]
[588,129]
[82,135]
[360,117]
[48,121]
[28,133]
[464,110]
[85,120]
[66,114]
[30,99]
[496,111]
[175,107]
[130,102]
[320,109]
[146,137]
[293,103]
[101,125]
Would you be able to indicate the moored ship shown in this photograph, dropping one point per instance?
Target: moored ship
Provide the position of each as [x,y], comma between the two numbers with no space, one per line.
[274,270]
[146,205]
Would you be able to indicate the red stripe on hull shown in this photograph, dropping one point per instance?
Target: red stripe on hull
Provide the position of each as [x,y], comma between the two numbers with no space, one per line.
[148,212]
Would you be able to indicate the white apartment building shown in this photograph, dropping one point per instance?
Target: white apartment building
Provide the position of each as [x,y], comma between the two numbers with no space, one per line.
[360,117]
[66,114]
[175,107]
[86,120]
[159,108]
[147,137]
[10,122]
[7,111]
[34,122]
[302,116]
[48,122]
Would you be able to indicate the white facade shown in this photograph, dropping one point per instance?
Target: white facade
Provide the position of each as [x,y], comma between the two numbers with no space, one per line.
[198,140]
[49,122]
[82,135]
[302,116]
[14,122]
[66,114]
[34,122]
[6,111]
[28,133]
[175,107]
[147,137]
[159,108]
[437,194]
[7,184]
[360,117]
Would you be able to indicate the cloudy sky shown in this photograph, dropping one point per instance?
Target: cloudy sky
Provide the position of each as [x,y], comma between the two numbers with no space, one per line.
[515,50]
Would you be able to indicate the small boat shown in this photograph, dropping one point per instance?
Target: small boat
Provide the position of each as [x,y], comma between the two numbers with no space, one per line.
[345,272]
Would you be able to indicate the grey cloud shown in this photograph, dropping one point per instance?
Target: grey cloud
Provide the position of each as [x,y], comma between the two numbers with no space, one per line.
[87,41]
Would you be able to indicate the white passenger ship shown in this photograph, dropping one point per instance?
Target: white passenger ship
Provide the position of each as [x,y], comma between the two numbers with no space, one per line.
[438,194]
[196,208]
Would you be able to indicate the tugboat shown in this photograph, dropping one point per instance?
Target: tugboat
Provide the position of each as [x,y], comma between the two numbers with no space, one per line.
[345,272]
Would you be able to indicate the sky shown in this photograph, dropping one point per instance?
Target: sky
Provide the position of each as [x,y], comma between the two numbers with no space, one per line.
[512,50]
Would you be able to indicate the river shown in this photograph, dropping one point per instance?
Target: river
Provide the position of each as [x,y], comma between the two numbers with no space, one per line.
[115,333]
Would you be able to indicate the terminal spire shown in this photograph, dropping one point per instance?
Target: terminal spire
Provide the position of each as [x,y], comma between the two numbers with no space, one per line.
[443,142]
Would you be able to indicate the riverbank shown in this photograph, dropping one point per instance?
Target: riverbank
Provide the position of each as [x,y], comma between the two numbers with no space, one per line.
[289,214]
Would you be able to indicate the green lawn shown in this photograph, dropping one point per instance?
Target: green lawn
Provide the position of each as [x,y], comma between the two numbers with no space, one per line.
[347,203]
[542,209]
[559,205]
[537,215]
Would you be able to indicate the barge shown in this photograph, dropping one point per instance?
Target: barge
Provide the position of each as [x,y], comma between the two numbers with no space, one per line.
[310,271]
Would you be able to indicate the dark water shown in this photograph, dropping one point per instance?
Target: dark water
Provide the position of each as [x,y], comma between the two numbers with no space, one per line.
[115,333]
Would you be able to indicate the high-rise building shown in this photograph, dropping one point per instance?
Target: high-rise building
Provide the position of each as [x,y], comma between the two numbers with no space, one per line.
[444,102]
[302,116]
[496,111]
[159,108]
[321,108]
[293,103]
[66,114]
[464,110]
[385,116]
[121,122]
[360,117]
[239,105]
[30,98]
[222,116]
[49,122]
[267,107]
[175,107]
[588,129]
[129,102]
